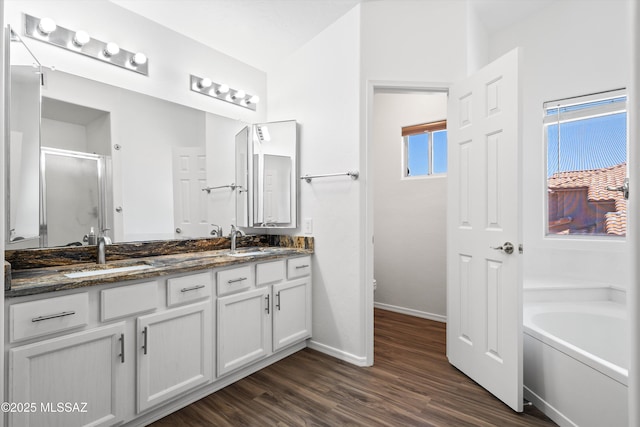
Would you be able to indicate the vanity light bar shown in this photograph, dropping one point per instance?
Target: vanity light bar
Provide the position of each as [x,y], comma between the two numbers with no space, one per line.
[45,30]
[223,92]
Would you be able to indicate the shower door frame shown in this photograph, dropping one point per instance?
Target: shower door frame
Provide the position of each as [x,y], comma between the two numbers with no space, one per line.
[104,188]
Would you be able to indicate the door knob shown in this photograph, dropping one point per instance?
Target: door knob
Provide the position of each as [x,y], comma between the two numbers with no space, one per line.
[178,230]
[507,248]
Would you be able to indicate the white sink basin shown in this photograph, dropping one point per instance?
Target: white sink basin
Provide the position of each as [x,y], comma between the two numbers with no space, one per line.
[89,273]
[250,253]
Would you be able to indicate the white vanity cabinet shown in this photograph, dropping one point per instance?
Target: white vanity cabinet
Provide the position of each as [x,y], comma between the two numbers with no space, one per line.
[271,313]
[72,380]
[130,353]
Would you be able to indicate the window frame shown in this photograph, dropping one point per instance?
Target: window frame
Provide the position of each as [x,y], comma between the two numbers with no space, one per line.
[574,115]
[423,128]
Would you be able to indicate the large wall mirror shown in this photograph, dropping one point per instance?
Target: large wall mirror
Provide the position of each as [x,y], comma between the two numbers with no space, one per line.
[123,147]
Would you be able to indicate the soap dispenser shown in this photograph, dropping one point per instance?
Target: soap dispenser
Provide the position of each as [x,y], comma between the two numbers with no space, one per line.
[92,237]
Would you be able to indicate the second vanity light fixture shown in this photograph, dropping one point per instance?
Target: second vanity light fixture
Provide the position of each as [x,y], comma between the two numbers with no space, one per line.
[223,92]
[47,31]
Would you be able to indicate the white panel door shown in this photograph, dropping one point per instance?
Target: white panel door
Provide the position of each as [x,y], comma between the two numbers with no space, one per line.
[291,312]
[174,353]
[484,282]
[244,328]
[72,380]
[189,201]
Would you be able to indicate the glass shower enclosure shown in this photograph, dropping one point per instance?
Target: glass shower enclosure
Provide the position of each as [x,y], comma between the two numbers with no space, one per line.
[75,189]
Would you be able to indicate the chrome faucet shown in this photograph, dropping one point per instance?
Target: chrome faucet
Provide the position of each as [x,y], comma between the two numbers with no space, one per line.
[217,230]
[102,258]
[232,235]
[101,242]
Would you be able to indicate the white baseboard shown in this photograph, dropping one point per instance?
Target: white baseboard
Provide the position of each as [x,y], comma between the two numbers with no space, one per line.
[550,411]
[338,354]
[411,312]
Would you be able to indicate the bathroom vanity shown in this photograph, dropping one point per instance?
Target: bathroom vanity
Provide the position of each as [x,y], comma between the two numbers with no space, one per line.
[134,340]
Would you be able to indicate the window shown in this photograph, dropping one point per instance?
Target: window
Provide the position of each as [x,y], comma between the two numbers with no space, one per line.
[586,140]
[425,149]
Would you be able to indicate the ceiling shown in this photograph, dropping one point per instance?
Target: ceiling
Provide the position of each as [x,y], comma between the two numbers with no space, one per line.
[262,32]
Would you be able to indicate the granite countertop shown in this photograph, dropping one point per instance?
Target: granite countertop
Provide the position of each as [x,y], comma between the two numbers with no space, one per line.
[40,277]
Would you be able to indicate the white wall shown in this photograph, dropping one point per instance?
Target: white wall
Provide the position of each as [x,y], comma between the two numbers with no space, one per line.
[405,45]
[410,213]
[172,56]
[570,48]
[328,86]
[63,135]
[319,86]
[413,41]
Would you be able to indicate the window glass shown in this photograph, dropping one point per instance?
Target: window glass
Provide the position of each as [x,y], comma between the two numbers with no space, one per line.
[586,158]
[418,154]
[439,152]
[425,149]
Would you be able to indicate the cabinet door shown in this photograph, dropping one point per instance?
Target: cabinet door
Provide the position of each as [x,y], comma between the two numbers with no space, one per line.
[291,312]
[73,380]
[174,352]
[243,329]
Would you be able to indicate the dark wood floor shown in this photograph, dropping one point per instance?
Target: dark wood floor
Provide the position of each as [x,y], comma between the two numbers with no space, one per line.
[410,384]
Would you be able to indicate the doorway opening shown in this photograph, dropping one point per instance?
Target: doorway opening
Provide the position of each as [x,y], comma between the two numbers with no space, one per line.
[407,213]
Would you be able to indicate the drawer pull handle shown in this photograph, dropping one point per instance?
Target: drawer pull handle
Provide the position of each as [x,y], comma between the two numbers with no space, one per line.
[145,332]
[121,348]
[240,279]
[193,288]
[53,316]
[302,266]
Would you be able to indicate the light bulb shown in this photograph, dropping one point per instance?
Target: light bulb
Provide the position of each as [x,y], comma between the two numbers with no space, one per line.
[47,26]
[80,38]
[253,100]
[111,49]
[139,59]
[205,83]
[239,94]
[223,88]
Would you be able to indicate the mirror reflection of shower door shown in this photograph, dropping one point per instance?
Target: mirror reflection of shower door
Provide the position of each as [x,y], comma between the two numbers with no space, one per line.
[74,196]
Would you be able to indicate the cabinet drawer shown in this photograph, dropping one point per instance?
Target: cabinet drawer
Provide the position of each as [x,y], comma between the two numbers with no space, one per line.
[269,272]
[128,300]
[188,288]
[298,267]
[235,279]
[46,316]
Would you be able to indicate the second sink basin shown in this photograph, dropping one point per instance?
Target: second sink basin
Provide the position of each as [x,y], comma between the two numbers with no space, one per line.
[89,273]
[252,252]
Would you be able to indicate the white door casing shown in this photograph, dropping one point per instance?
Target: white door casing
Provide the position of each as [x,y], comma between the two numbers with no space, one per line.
[484,283]
[189,201]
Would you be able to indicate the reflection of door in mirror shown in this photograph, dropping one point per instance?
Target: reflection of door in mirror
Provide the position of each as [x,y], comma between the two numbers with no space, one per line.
[74,188]
[189,201]
[242,172]
[274,184]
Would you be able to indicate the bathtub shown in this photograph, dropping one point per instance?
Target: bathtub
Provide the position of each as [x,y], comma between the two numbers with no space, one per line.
[576,361]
